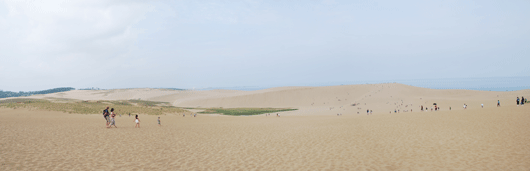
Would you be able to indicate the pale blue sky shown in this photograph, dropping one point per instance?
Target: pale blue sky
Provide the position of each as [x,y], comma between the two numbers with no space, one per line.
[186,44]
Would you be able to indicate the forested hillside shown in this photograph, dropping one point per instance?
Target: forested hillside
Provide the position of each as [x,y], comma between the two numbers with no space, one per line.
[5,94]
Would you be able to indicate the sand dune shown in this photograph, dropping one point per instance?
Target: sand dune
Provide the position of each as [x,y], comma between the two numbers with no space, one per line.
[380,98]
[311,138]
[474,139]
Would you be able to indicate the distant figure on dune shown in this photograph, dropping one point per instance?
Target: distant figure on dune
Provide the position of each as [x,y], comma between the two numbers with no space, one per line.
[522,101]
[421,107]
[517,101]
[498,103]
[159,122]
[184,115]
[137,122]
[482,105]
[370,112]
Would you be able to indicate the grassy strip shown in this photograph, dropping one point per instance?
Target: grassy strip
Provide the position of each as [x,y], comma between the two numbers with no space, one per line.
[25,100]
[243,111]
[148,103]
[89,107]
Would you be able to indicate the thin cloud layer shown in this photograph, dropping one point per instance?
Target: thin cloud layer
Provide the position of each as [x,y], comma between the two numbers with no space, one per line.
[185,44]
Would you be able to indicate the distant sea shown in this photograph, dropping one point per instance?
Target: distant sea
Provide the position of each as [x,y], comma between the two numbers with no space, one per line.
[482,84]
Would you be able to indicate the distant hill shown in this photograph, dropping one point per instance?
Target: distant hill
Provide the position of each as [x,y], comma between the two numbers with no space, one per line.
[5,94]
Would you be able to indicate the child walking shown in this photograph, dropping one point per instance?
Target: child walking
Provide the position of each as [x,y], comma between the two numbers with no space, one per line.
[159,121]
[137,122]
[112,118]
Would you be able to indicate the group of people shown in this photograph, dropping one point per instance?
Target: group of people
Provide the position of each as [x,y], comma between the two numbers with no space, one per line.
[521,101]
[436,108]
[268,114]
[194,115]
[110,117]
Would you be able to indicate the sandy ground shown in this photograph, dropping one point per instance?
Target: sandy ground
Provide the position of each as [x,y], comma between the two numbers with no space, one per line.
[310,138]
[473,139]
[329,100]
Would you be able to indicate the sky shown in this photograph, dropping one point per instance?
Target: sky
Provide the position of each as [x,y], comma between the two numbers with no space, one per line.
[231,43]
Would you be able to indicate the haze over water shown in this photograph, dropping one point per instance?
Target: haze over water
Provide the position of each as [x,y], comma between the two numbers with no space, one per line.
[483,84]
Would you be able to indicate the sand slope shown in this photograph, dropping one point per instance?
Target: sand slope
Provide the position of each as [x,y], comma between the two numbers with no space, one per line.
[473,139]
[311,138]
[380,98]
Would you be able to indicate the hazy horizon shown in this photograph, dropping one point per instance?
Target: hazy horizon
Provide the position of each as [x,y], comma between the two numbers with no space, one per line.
[201,44]
[483,84]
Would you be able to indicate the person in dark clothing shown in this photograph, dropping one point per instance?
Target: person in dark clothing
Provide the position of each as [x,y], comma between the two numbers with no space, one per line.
[106,116]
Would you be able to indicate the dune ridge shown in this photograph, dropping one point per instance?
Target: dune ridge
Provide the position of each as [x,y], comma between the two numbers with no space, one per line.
[380,98]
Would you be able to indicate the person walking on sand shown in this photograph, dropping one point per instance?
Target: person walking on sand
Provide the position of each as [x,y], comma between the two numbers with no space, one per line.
[517,101]
[159,121]
[498,103]
[112,118]
[137,122]
[370,112]
[106,116]
[482,105]
[522,101]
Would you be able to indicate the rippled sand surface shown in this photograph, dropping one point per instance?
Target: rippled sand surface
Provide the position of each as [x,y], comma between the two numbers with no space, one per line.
[473,139]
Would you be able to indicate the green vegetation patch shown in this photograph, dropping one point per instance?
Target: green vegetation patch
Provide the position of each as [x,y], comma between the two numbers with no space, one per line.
[25,100]
[243,111]
[149,103]
[89,107]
